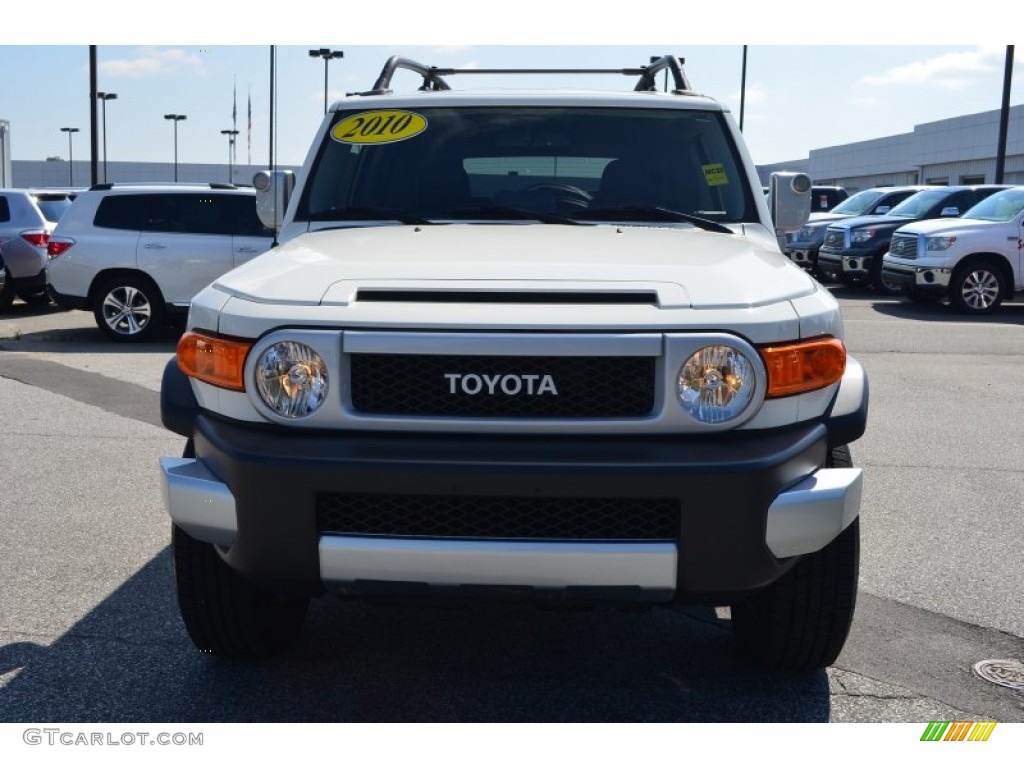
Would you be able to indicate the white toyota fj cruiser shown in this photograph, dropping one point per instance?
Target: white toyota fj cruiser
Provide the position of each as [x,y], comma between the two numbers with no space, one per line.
[534,344]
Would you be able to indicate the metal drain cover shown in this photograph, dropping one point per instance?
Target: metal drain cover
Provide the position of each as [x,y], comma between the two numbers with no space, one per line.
[1009,674]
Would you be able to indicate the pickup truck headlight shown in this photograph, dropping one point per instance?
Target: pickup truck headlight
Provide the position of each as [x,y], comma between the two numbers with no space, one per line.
[716,384]
[863,235]
[940,243]
[812,232]
[291,379]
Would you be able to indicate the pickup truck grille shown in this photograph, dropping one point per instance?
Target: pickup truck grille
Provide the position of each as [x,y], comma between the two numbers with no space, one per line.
[487,517]
[486,386]
[904,246]
[834,238]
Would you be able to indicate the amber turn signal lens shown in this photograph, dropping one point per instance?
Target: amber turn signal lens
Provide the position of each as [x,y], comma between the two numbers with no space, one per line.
[214,360]
[804,366]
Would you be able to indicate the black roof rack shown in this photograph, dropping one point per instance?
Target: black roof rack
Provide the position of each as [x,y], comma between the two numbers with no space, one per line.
[433,77]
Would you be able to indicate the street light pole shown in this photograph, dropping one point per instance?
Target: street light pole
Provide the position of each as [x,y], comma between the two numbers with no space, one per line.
[105,97]
[71,156]
[1004,116]
[326,54]
[743,87]
[176,119]
[231,144]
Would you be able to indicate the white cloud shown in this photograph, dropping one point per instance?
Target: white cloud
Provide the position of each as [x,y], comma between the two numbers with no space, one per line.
[755,95]
[951,71]
[154,61]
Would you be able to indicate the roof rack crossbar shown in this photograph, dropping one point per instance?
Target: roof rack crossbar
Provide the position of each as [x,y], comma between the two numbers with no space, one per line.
[433,77]
[672,64]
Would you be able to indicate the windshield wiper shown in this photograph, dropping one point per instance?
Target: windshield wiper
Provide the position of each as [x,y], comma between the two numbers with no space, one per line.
[508,212]
[367,212]
[652,213]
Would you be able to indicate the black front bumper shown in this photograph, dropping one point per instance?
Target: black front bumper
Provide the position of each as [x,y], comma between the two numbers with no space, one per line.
[850,263]
[722,485]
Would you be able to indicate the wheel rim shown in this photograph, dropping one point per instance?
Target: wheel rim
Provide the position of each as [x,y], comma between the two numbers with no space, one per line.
[126,310]
[980,289]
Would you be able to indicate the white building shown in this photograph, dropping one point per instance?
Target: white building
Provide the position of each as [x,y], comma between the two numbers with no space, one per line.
[56,173]
[959,150]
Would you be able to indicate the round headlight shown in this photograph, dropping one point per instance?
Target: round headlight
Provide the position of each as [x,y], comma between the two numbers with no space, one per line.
[291,379]
[716,384]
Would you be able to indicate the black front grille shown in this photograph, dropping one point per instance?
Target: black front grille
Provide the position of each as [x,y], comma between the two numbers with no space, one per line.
[904,246]
[502,386]
[486,517]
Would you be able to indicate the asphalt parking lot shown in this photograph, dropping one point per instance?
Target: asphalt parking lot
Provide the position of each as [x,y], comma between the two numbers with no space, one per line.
[89,630]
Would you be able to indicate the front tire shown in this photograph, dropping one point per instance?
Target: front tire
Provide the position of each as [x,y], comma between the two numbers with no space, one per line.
[800,622]
[977,287]
[128,308]
[225,615]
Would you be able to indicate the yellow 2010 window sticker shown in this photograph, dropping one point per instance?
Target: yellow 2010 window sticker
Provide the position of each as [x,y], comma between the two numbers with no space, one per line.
[380,126]
[714,175]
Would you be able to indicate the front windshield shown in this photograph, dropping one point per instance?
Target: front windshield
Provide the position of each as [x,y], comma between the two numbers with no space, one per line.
[916,206]
[860,203]
[1002,206]
[487,163]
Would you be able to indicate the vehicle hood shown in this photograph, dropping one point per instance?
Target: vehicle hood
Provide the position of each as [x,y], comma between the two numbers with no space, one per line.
[686,266]
[957,226]
[823,218]
[873,221]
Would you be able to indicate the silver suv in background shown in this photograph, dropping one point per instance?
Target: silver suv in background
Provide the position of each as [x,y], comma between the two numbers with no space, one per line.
[27,218]
[134,253]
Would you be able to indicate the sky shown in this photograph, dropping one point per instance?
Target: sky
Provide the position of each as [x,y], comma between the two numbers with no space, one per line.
[812,94]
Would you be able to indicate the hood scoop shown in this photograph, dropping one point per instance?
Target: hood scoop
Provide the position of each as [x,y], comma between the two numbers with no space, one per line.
[649,298]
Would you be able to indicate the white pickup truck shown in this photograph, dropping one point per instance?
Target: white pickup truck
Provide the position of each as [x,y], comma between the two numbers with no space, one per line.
[513,344]
[976,260]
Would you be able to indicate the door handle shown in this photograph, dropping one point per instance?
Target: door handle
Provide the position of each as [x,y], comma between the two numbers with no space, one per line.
[247,249]
[154,246]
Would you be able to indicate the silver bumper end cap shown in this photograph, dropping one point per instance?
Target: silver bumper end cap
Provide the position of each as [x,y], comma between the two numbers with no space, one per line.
[198,502]
[808,516]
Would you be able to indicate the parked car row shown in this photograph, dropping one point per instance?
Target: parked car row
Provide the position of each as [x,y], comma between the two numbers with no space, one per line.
[802,247]
[853,249]
[133,254]
[963,243]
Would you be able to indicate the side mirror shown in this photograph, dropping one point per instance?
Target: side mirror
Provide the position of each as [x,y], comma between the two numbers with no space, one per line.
[950,210]
[883,209]
[790,200]
[273,191]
